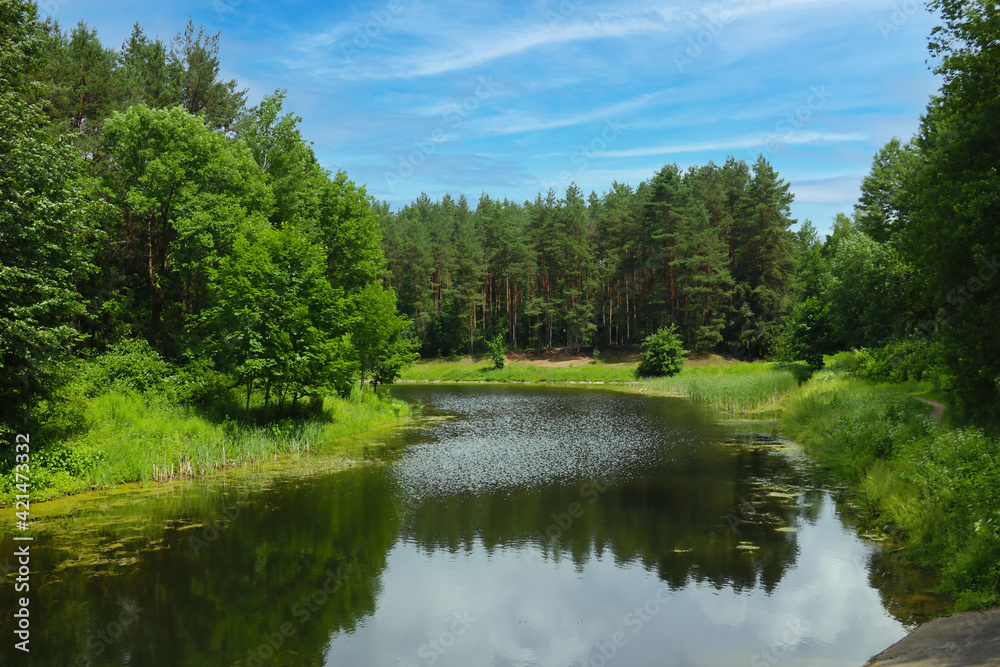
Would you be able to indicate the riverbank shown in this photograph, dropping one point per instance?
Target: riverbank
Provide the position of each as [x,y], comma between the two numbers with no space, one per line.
[931,488]
[731,386]
[125,437]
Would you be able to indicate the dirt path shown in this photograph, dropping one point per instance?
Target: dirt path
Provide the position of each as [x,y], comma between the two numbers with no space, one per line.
[970,639]
[935,415]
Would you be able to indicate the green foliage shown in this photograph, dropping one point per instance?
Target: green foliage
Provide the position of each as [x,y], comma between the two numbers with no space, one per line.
[380,339]
[737,388]
[697,280]
[275,316]
[21,41]
[762,258]
[131,365]
[908,359]
[47,236]
[846,362]
[870,293]
[496,349]
[662,354]
[185,195]
[887,192]
[195,59]
[953,229]
[936,487]
[808,332]
[397,355]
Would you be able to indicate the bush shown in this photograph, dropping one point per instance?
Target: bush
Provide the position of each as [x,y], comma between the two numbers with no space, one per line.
[910,359]
[662,354]
[129,365]
[497,350]
[197,383]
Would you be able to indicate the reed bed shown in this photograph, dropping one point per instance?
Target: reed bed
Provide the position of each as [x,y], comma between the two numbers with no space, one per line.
[739,389]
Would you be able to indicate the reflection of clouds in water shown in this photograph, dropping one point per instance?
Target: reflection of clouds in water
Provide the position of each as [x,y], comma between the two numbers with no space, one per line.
[726,610]
[824,601]
[535,611]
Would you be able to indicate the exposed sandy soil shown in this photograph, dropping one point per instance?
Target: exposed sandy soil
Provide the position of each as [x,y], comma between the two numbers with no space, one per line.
[970,639]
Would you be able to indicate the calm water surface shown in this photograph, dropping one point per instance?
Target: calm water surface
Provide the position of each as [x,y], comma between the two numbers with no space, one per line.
[515,526]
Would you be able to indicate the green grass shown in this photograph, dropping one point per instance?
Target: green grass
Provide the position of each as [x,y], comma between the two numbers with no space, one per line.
[731,386]
[935,487]
[734,387]
[482,370]
[139,437]
[737,391]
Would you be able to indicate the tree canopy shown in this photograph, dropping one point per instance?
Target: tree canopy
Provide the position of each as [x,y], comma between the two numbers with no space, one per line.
[140,199]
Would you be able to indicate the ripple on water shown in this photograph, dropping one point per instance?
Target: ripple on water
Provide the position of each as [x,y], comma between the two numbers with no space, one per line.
[507,441]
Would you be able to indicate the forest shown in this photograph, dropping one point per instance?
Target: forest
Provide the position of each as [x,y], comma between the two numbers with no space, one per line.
[149,214]
[908,278]
[157,233]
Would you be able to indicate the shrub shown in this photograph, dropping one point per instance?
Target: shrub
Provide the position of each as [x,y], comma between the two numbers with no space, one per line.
[129,365]
[197,383]
[662,354]
[910,359]
[497,350]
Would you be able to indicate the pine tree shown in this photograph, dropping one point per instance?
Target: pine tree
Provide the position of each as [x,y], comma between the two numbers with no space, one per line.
[763,260]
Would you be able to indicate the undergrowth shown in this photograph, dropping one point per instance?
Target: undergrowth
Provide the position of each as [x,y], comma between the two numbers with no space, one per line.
[936,488]
[128,416]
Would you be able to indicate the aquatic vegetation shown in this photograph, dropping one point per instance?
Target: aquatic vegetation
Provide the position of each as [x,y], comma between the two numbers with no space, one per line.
[737,388]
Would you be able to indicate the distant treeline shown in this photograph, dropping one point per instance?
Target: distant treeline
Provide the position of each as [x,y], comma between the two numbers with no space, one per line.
[709,250]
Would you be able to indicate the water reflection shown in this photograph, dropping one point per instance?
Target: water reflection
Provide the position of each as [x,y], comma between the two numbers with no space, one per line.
[540,527]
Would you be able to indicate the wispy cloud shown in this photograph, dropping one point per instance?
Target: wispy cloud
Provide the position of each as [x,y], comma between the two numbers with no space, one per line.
[738,143]
[504,43]
[515,123]
[564,67]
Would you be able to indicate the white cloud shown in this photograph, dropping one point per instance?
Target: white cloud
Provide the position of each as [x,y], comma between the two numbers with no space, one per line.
[739,143]
[515,122]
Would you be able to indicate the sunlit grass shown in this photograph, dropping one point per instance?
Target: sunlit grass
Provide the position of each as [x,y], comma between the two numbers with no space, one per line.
[132,437]
[737,388]
[935,487]
[482,370]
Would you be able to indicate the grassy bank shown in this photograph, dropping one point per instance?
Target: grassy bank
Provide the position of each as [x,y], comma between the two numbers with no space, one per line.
[739,388]
[472,369]
[129,416]
[936,489]
[727,385]
[133,437]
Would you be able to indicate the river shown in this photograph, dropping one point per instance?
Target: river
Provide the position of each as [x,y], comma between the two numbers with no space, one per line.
[509,525]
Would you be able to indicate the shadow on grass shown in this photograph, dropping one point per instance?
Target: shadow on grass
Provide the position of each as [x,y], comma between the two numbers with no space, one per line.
[800,369]
[233,408]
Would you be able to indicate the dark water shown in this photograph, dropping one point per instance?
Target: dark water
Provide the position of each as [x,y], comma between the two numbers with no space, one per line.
[541,527]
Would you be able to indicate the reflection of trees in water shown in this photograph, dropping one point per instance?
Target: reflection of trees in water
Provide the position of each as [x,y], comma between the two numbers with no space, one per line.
[267,568]
[710,519]
[905,590]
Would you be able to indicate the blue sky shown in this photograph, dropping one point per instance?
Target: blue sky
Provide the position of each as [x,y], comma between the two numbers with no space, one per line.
[512,98]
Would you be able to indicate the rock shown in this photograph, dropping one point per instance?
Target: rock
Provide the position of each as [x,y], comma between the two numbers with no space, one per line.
[969,639]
